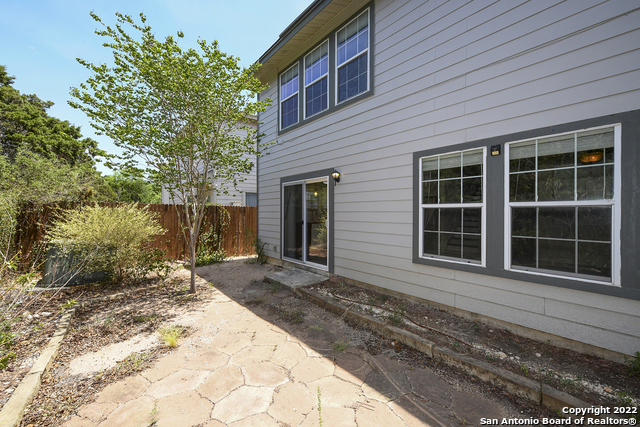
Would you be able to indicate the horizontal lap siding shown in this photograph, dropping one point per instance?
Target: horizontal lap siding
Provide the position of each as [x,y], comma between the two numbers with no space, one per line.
[445,73]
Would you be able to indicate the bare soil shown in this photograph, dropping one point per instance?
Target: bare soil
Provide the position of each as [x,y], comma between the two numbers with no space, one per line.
[590,378]
[95,327]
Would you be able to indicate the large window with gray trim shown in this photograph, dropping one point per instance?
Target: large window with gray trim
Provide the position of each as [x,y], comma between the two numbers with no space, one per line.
[562,204]
[452,206]
[352,49]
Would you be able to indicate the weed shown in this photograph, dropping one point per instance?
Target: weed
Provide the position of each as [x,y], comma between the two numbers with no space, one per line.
[382,298]
[170,335]
[145,318]
[524,369]
[317,328]
[340,345]
[456,345]
[70,303]
[476,327]
[397,316]
[319,407]
[633,364]
[4,361]
[293,316]
[274,287]
[132,363]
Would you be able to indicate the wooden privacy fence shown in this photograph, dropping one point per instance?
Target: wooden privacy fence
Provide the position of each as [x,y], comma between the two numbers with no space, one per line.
[235,224]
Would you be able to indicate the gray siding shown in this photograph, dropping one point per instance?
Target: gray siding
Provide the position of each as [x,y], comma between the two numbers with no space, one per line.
[445,73]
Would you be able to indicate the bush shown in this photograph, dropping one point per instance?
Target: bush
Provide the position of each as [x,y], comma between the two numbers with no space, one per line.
[113,240]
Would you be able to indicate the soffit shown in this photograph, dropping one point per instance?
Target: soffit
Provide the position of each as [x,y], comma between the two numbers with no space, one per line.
[310,28]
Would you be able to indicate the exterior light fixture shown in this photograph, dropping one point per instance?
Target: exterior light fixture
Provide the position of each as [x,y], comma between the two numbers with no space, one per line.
[336,177]
[590,157]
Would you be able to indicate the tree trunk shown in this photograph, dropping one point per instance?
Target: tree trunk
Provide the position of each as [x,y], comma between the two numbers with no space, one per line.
[192,250]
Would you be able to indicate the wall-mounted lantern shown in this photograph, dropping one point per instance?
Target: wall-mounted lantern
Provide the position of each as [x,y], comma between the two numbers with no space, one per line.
[336,177]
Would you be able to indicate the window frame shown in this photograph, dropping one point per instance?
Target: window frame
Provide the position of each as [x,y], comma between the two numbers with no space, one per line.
[354,58]
[332,75]
[281,101]
[614,203]
[481,205]
[308,84]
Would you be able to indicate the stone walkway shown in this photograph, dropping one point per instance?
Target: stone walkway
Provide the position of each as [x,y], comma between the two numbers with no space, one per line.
[245,366]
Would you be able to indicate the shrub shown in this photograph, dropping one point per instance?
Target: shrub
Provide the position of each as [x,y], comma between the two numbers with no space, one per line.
[111,239]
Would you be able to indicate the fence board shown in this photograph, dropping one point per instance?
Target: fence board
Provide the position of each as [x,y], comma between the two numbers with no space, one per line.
[236,237]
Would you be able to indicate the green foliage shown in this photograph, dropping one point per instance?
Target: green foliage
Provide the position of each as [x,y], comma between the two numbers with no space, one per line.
[184,113]
[110,239]
[26,126]
[209,249]
[70,303]
[4,360]
[633,364]
[170,335]
[396,317]
[129,189]
[319,407]
[340,345]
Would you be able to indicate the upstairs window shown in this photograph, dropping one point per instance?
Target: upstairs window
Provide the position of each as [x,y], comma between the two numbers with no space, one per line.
[289,97]
[316,80]
[452,204]
[352,57]
[561,204]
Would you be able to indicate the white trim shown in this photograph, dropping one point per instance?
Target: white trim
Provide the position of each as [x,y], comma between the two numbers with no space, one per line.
[482,205]
[305,85]
[614,203]
[288,97]
[358,55]
[304,261]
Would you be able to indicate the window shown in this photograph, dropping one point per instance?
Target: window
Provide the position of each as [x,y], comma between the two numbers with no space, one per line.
[561,204]
[289,97]
[251,199]
[452,206]
[352,52]
[332,74]
[316,80]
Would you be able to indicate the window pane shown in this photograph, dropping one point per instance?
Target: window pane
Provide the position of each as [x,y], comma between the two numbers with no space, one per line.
[591,183]
[608,182]
[353,38]
[429,169]
[450,191]
[317,97]
[451,245]
[430,244]
[592,144]
[316,222]
[594,223]
[523,252]
[430,192]
[471,247]
[290,111]
[522,187]
[522,157]
[594,259]
[523,222]
[431,222]
[289,83]
[558,223]
[472,221]
[352,78]
[293,207]
[472,190]
[555,185]
[451,220]
[556,152]
[450,166]
[472,163]
[557,255]
[590,157]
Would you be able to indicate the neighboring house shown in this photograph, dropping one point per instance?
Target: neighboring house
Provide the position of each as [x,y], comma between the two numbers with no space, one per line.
[488,154]
[243,195]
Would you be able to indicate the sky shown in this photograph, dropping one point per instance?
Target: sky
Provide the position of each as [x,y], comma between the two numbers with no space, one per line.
[41,39]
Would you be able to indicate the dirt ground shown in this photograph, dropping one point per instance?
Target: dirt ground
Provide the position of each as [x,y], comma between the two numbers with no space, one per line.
[111,340]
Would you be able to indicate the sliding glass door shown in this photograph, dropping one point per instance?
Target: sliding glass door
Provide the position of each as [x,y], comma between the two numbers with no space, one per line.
[306,222]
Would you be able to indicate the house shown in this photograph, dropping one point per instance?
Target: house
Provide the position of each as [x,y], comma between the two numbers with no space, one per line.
[244,194]
[487,153]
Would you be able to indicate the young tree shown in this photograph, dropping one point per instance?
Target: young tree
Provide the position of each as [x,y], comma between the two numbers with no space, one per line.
[179,111]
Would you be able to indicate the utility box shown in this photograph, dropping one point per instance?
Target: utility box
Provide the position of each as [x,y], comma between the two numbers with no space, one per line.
[61,269]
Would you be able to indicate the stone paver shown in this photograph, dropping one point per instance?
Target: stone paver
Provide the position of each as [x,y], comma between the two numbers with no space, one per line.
[182,410]
[242,403]
[243,367]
